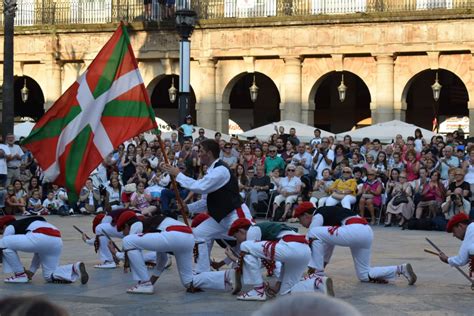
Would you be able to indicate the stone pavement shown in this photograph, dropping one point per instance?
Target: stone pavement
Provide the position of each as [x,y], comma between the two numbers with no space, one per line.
[440,290]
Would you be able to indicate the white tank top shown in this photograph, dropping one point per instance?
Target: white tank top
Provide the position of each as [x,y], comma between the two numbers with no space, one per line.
[469,177]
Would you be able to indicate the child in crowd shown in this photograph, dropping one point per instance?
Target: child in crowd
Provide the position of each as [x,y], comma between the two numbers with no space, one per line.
[35,207]
[13,204]
[50,204]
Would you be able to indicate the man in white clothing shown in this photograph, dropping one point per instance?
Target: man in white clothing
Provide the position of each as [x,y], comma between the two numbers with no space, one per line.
[14,159]
[4,154]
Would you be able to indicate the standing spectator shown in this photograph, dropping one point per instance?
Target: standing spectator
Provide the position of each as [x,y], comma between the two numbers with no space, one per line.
[228,158]
[317,138]
[201,136]
[288,189]
[302,158]
[247,159]
[293,138]
[4,154]
[449,161]
[323,157]
[147,10]
[14,160]
[288,153]
[280,145]
[343,190]
[272,161]
[170,8]
[370,195]
[129,162]
[187,129]
[468,167]
[259,186]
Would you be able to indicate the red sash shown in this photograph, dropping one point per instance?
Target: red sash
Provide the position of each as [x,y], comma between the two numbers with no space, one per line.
[356,220]
[179,228]
[295,238]
[240,212]
[48,231]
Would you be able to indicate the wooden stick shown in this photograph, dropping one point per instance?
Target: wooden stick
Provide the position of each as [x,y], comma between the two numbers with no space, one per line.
[173,183]
[431,252]
[80,231]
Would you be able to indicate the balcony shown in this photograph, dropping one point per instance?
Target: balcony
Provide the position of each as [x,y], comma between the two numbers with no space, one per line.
[83,12]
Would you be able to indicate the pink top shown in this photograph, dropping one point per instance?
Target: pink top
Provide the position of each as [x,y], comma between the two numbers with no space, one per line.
[377,200]
[141,201]
[411,175]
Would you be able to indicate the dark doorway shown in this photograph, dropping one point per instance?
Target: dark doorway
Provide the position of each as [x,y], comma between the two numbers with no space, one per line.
[34,106]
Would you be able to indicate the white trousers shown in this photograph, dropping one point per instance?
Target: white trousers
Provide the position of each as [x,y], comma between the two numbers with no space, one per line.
[181,244]
[346,202]
[211,229]
[294,257]
[47,252]
[104,252]
[358,238]
[308,284]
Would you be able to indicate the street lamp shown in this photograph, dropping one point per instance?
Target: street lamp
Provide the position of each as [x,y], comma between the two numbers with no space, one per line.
[185,22]
[436,87]
[9,8]
[24,92]
[342,90]
[253,91]
[172,91]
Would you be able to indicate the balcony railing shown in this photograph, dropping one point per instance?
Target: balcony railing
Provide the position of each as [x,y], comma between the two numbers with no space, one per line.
[36,12]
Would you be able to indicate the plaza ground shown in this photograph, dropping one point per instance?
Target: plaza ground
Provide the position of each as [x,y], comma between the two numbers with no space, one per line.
[440,290]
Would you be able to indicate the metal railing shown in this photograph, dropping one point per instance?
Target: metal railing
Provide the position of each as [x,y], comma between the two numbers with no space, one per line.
[36,12]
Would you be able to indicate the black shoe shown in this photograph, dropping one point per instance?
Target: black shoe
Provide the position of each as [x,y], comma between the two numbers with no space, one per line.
[388,225]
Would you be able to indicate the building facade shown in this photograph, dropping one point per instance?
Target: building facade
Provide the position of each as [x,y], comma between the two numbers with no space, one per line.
[297,51]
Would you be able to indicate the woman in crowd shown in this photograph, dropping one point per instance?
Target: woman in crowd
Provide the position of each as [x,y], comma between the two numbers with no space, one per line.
[288,190]
[400,201]
[287,155]
[113,195]
[432,195]
[141,200]
[370,195]
[468,167]
[129,162]
[34,184]
[242,181]
[343,190]
[321,189]
[412,166]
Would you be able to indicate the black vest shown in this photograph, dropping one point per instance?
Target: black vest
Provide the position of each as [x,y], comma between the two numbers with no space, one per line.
[226,199]
[271,230]
[22,224]
[334,215]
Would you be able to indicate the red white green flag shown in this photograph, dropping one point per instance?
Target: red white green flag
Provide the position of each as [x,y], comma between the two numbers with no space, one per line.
[107,105]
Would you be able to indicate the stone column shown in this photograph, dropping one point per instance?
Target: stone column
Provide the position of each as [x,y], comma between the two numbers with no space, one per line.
[222,117]
[384,106]
[53,87]
[470,106]
[291,101]
[206,108]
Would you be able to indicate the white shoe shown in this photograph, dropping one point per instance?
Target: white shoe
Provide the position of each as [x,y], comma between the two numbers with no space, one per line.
[17,278]
[234,280]
[80,268]
[106,265]
[83,210]
[71,211]
[324,285]
[407,270]
[257,294]
[142,288]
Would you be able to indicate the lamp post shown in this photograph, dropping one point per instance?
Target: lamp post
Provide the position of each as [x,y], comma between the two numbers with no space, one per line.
[253,91]
[24,92]
[172,91]
[342,90]
[436,87]
[185,23]
[9,8]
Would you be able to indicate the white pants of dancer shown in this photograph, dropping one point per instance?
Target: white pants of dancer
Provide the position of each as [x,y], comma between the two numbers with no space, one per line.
[47,252]
[308,284]
[181,244]
[294,257]
[104,252]
[346,202]
[211,229]
[358,238]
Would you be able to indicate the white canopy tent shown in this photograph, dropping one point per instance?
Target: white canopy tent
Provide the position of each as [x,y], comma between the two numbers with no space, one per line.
[304,132]
[23,129]
[386,132]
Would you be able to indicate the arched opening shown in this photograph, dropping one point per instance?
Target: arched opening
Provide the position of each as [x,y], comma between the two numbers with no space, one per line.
[265,110]
[34,106]
[161,103]
[333,115]
[422,109]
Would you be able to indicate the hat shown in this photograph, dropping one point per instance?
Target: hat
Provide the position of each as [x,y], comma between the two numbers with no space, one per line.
[130,188]
[303,208]
[7,219]
[124,218]
[96,221]
[238,224]
[198,219]
[189,117]
[456,219]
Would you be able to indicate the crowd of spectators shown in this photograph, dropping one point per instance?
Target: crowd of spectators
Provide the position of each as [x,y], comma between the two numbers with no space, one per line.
[414,182]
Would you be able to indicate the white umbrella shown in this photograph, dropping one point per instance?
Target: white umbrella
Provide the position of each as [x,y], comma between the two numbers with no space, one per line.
[23,129]
[304,132]
[386,131]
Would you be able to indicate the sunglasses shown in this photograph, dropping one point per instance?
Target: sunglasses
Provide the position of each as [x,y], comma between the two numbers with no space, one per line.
[459,174]
[346,172]
[370,174]
[272,151]
[227,147]
[291,170]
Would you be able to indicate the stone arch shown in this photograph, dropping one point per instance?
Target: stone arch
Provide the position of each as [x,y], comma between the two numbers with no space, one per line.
[422,109]
[34,106]
[243,111]
[329,112]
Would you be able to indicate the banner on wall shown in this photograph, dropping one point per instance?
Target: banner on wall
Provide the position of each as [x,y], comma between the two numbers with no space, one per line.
[454,123]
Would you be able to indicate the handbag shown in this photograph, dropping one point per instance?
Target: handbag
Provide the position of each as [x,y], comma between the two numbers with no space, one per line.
[367,196]
[399,199]
[319,194]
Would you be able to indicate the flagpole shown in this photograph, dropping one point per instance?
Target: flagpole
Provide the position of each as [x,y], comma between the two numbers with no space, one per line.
[173,183]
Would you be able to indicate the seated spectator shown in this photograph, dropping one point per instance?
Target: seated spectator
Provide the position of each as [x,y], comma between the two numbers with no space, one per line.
[273,161]
[453,205]
[14,205]
[61,198]
[230,159]
[288,153]
[432,196]
[141,201]
[3,196]
[113,195]
[412,166]
[397,162]
[343,190]
[306,183]
[24,174]
[459,185]
[34,184]
[50,203]
[242,181]
[302,158]
[259,187]
[400,200]
[89,199]
[370,195]
[321,189]
[288,189]
[35,207]
[20,193]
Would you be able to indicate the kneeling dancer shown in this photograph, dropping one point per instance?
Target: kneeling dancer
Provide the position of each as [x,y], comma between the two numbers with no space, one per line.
[35,235]
[162,235]
[275,242]
[332,226]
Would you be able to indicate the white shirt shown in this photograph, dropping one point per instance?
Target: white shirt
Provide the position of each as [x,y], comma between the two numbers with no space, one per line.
[3,161]
[290,185]
[307,163]
[467,248]
[321,164]
[213,180]
[15,150]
